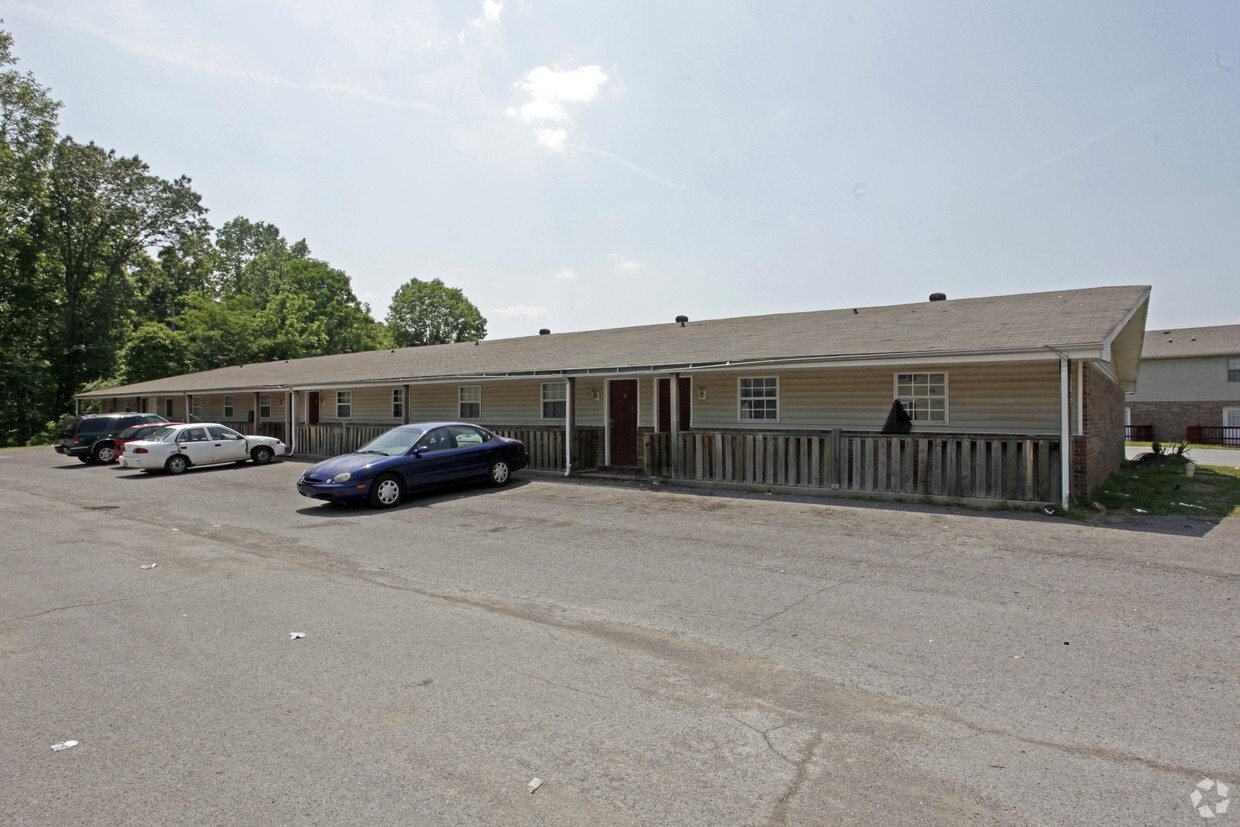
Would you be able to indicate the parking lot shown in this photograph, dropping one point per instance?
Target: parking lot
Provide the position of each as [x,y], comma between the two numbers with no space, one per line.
[652,655]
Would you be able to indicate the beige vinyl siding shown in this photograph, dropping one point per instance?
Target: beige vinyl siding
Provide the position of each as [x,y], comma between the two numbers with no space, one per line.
[999,398]
[505,403]
[370,405]
[1185,380]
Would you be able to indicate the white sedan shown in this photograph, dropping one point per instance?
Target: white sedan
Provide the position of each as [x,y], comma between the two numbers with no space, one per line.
[176,447]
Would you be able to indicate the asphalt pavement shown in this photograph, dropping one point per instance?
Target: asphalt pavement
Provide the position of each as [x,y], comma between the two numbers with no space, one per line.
[653,656]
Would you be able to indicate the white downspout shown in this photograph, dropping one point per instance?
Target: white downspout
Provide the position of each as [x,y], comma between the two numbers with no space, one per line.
[570,388]
[1065,432]
[292,422]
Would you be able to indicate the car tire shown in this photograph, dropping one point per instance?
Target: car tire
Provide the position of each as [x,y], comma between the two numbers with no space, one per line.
[104,454]
[262,455]
[500,473]
[176,464]
[386,491]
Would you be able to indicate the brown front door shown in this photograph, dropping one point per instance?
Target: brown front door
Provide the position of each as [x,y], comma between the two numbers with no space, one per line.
[312,408]
[665,404]
[622,423]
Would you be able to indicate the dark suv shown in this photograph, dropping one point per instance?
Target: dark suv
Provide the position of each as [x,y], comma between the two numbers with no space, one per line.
[92,438]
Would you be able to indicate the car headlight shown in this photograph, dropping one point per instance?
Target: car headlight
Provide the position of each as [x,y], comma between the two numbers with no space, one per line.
[345,477]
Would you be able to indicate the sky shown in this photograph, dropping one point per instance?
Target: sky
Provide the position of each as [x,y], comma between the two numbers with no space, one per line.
[579,165]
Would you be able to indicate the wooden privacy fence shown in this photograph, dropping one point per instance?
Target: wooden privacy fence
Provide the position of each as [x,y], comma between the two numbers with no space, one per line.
[546,446]
[998,468]
[1138,433]
[761,459]
[330,440]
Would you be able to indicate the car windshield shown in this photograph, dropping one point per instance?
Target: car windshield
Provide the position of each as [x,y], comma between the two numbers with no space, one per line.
[160,435]
[394,443]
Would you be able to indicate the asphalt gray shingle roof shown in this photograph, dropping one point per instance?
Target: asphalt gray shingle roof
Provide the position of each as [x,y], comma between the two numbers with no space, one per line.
[981,325]
[1192,341]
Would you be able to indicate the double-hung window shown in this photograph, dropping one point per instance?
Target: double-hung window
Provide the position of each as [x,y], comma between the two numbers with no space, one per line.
[196,404]
[554,400]
[398,403]
[469,398]
[1233,370]
[924,396]
[264,406]
[344,404]
[758,399]
[229,407]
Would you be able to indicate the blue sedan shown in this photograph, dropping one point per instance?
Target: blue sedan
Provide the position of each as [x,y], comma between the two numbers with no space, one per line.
[414,456]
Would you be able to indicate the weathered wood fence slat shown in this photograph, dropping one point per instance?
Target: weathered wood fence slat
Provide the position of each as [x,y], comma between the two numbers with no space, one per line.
[544,445]
[1024,469]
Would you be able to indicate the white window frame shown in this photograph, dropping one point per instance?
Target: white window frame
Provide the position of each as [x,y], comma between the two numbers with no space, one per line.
[196,407]
[398,403]
[910,400]
[554,394]
[744,400]
[1233,369]
[264,406]
[469,395]
[344,404]
[168,408]
[1234,414]
[230,407]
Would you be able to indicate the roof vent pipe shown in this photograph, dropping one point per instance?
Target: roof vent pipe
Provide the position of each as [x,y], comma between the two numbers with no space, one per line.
[544,332]
[938,297]
[683,320]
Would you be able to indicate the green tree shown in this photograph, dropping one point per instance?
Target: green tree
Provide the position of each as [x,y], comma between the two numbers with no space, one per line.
[218,333]
[27,301]
[429,313]
[152,352]
[104,211]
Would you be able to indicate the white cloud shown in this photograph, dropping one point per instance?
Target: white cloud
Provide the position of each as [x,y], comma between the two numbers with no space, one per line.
[521,311]
[552,91]
[553,139]
[490,13]
[567,274]
[626,265]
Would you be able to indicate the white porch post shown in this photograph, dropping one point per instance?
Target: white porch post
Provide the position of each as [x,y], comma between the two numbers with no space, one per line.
[1065,432]
[570,388]
[673,394]
[292,421]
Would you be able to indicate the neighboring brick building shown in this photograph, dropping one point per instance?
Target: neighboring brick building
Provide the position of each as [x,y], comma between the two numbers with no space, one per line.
[1189,378]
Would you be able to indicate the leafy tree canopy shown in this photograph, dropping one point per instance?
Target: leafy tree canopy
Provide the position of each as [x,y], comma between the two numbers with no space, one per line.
[430,313]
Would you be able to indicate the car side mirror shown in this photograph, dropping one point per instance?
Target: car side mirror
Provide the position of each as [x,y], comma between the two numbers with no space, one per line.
[419,450]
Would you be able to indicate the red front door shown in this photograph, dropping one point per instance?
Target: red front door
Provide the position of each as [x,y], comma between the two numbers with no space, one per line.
[622,423]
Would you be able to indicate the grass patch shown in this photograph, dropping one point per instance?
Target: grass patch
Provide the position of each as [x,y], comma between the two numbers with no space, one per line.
[1166,489]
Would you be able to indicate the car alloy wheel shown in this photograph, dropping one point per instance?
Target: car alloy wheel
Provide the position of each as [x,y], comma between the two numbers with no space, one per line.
[262,455]
[105,454]
[500,472]
[386,491]
[176,464]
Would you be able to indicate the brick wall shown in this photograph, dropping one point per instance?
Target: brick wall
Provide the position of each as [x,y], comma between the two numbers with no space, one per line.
[1170,419]
[1100,449]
